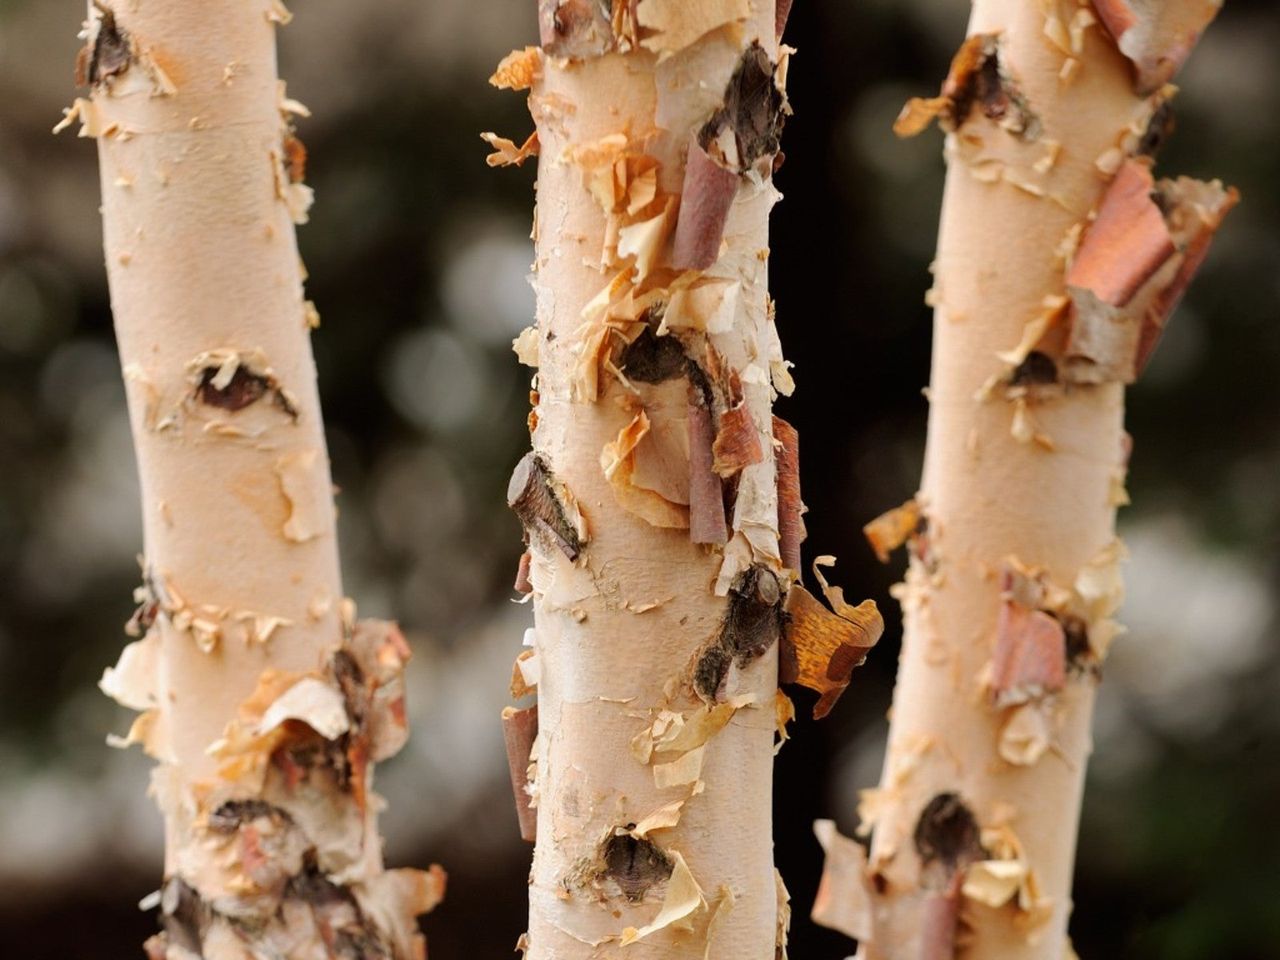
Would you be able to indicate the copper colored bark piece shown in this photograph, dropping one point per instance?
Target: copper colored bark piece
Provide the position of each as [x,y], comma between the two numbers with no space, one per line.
[519,729]
[1135,261]
[791,530]
[821,649]
[578,29]
[530,497]
[1030,658]
[939,915]
[518,70]
[780,17]
[706,494]
[522,584]
[737,442]
[705,200]
[892,529]
[1156,35]
[1127,242]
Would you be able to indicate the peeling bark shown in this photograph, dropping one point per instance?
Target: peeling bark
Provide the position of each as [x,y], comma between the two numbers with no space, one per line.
[264,700]
[1059,259]
[657,639]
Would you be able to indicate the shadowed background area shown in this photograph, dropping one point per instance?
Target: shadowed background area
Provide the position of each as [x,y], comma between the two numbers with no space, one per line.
[418,256]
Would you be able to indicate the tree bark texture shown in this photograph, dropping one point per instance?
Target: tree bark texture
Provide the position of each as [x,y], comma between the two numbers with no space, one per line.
[660,502]
[265,702]
[1059,260]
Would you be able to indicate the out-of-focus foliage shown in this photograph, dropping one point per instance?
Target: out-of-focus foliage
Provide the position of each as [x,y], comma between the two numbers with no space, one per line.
[418,255]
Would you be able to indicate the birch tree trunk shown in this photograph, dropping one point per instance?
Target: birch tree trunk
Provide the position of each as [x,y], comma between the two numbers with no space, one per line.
[1059,260]
[264,701]
[660,502]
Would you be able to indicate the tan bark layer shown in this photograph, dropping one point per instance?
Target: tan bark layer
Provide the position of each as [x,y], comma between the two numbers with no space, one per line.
[1014,570]
[263,700]
[655,651]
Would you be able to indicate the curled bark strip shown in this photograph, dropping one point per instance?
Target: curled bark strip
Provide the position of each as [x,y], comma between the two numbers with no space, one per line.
[506,153]
[1030,658]
[893,528]
[519,728]
[1157,37]
[939,917]
[707,522]
[532,498]
[976,79]
[1133,265]
[737,442]
[752,623]
[644,480]
[820,648]
[525,674]
[746,129]
[522,584]
[705,199]
[1127,242]
[791,530]
[577,29]
[780,17]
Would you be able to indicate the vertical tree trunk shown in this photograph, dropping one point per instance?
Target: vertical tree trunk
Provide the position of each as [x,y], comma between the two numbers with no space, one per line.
[658,486]
[1059,260]
[263,699]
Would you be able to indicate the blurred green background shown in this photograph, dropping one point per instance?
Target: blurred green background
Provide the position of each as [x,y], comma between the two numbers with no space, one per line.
[418,256]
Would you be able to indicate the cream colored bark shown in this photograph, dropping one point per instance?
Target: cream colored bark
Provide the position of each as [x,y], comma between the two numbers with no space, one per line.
[1058,261]
[658,611]
[263,700]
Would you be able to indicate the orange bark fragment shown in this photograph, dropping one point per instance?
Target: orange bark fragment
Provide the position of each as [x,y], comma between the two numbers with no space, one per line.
[506,153]
[519,728]
[820,649]
[1127,242]
[737,442]
[707,522]
[518,69]
[1133,264]
[892,529]
[791,530]
[1030,657]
